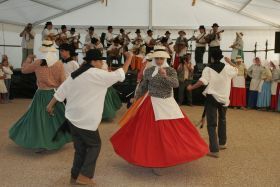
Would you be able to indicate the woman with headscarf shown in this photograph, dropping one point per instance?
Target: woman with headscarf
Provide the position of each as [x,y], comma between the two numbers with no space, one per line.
[275,84]
[264,95]
[159,134]
[36,128]
[238,89]
[237,47]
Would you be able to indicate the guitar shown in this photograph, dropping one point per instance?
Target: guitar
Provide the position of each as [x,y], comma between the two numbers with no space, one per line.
[211,37]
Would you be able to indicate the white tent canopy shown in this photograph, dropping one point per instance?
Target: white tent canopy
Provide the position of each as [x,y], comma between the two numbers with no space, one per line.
[144,13]
[257,19]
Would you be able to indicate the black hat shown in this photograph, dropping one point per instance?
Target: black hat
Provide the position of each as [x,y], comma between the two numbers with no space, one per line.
[66,47]
[202,27]
[93,54]
[73,53]
[138,31]
[91,28]
[167,32]
[94,40]
[215,25]
[48,23]
[63,27]
[217,54]
[149,31]
[73,29]
[121,30]
[109,27]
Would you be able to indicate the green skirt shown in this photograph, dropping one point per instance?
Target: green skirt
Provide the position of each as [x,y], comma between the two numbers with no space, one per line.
[112,104]
[36,128]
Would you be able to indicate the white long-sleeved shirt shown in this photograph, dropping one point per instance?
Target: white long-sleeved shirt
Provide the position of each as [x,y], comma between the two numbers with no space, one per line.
[219,84]
[8,72]
[85,96]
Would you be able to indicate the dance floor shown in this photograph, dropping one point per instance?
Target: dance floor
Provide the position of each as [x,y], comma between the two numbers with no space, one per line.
[252,157]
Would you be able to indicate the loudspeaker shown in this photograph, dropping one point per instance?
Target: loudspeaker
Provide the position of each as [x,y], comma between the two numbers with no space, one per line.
[277,42]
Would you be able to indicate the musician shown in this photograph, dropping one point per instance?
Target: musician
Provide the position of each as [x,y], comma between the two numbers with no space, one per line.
[138,37]
[27,43]
[48,32]
[149,41]
[200,45]
[138,46]
[96,44]
[114,52]
[74,38]
[63,36]
[182,43]
[124,39]
[90,35]
[214,40]
[166,45]
[109,36]
[167,35]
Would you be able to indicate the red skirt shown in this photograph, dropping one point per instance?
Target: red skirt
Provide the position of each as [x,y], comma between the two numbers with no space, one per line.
[274,99]
[145,142]
[238,97]
[176,61]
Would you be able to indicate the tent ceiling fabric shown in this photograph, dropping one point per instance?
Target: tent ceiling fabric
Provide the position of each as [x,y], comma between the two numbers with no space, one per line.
[254,12]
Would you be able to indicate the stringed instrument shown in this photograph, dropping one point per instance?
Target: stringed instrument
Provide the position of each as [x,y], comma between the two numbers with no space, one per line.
[211,37]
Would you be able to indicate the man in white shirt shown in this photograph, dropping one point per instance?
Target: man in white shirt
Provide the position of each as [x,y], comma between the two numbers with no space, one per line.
[109,36]
[217,77]
[200,45]
[70,65]
[49,33]
[91,34]
[27,43]
[85,92]
[214,39]
[149,41]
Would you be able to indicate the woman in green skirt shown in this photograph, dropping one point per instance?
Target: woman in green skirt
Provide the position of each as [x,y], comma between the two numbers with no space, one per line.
[112,100]
[36,128]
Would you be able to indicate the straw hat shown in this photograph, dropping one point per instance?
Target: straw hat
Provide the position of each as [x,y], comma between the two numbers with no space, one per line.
[47,46]
[182,32]
[160,52]
[48,52]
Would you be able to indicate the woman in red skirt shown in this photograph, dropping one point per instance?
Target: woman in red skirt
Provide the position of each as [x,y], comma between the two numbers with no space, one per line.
[238,89]
[158,134]
[275,84]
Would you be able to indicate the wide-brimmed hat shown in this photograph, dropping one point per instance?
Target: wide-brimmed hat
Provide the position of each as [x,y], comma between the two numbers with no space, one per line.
[109,27]
[167,32]
[137,31]
[93,54]
[49,23]
[91,28]
[121,30]
[160,52]
[63,27]
[149,31]
[47,46]
[182,32]
[201,27]
[215,25]
[73,29]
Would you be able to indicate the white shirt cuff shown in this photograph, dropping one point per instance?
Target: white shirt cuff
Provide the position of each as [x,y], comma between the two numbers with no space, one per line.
[204,81]
[122,74]
[58,98]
